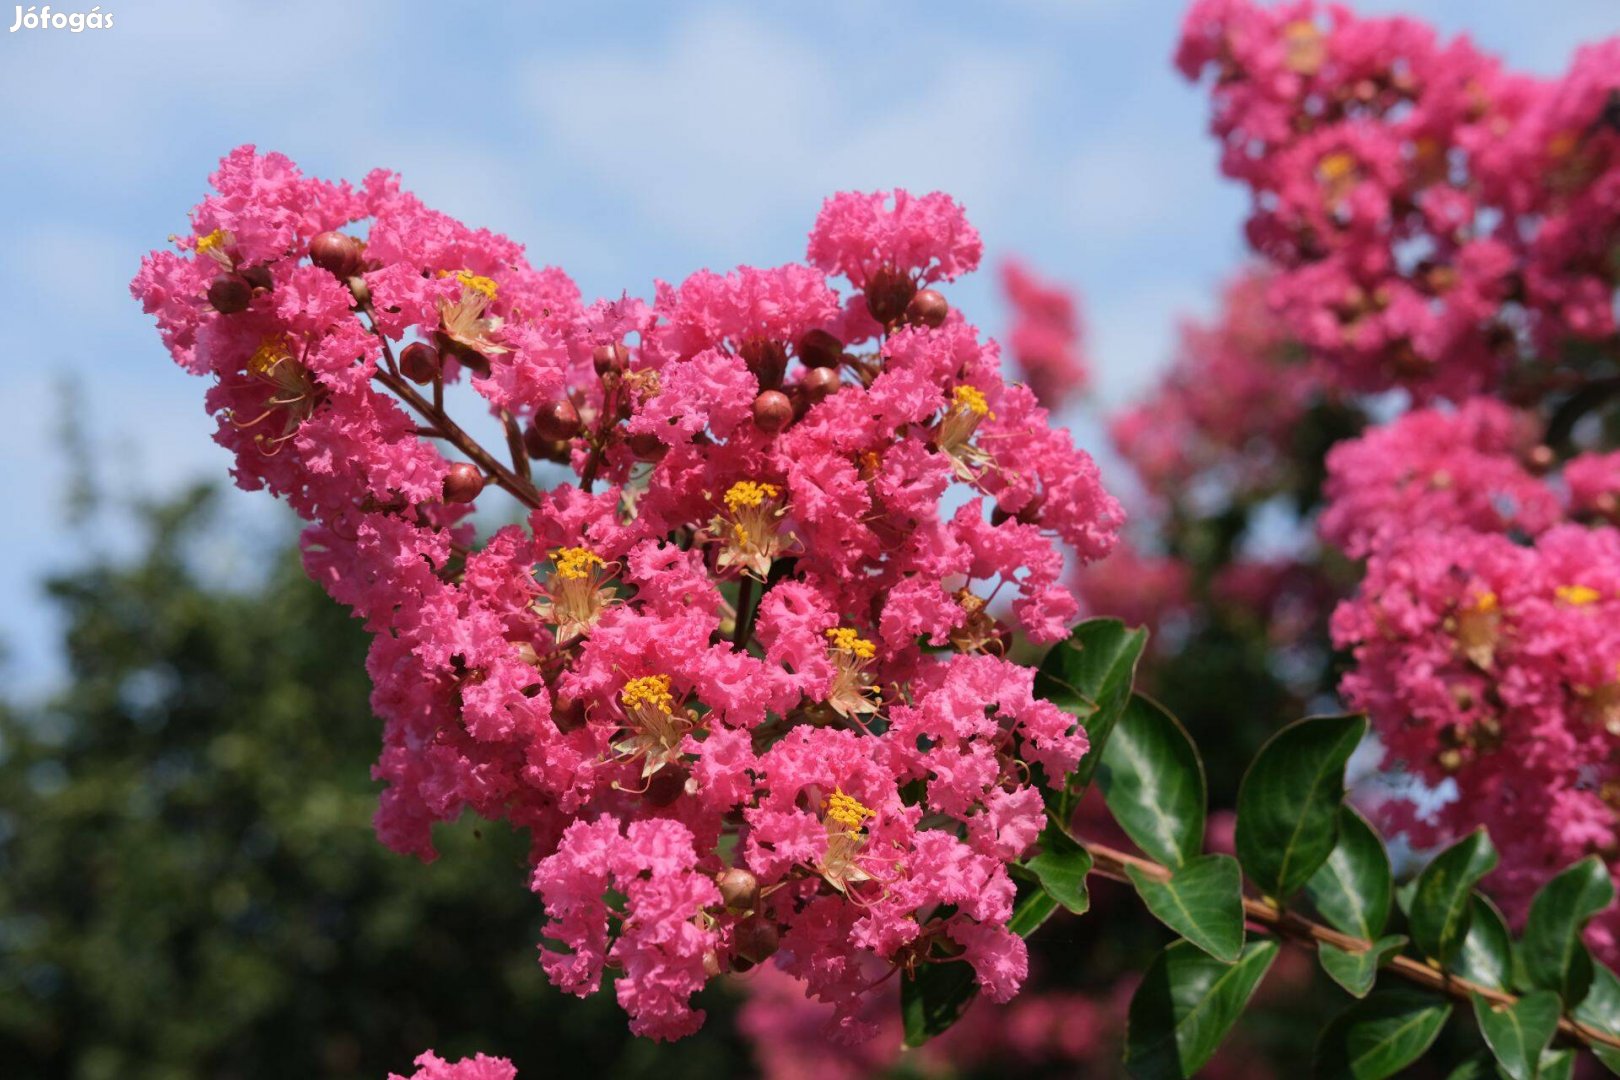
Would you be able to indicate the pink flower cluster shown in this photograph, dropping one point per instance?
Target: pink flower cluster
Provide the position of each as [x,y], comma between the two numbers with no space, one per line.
[741,676]
[1046,333]
[430,1066]
[1486,637]
[1434,219]
[1225,412]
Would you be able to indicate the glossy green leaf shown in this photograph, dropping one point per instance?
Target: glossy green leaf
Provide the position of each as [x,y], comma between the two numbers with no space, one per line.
[1186,1004]
[935,999]
[1380,1035]
[1557,1065]
[1441,911]
[1352,888]
[1033,906]
[1061,867]
[1479,1067]
[1554,957]
[1153,782]
[1518,1033]
[1089,675]
[1486,956]
[1202,900]
[1288,804]
[1600,1009]
[1357,971]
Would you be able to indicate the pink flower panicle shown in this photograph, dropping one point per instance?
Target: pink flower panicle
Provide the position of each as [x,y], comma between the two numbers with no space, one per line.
[430,1066]
[742,676]
[1046,335]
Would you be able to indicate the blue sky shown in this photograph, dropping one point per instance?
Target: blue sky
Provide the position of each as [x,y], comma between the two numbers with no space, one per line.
[621,141]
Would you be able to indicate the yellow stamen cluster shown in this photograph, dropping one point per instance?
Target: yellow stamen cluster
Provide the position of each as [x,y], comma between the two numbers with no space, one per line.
[649,690]
[1302,42]
[215,239]
[1578,595]
[575,563]
[271,354]
[1336,167]
[475,282]
[749,494]
[843,637]
[1485,603]
[971,399]
[847,811]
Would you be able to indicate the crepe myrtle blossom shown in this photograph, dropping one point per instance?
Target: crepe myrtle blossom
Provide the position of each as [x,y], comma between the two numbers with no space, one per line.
[430,1066]
[1045,339]
[741,675]
[1436,221]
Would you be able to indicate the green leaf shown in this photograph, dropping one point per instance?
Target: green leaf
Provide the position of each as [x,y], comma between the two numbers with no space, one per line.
[1479,1067]
[935,999]
[1186,1004]
[1600,1009]
[1380,1035]
[1486,956]
[1030,910]
[1557,1065]
[1554,957]
[1357,971]
[1062,866]
[1089,676]
[1352,888]
[1202,901]
[1518,1033]
[1153,782]
[1288,803]
[1440,913]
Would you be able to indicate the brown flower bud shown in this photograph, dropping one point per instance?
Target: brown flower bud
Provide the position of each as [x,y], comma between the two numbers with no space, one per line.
[772,411]
[755,939]
[647,446]
[610,358]
[928,308]
[258,277]
[1541,459]
[337,253]
[818,348]
[821,383]
[567,713]
[229,294]
[557,420]
[739,889]
[463,483]
[419,362]
[767,359]
[887,293]
[667,784]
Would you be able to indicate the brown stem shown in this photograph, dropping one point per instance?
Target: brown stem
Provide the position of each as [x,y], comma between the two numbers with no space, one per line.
[745,598]
[514,446]
[598,440]
[1111,863]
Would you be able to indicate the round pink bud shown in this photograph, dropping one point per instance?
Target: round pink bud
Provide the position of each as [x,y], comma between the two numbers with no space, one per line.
[463,483]
[820,349]
[821,383]
[337,253]
[419,362]
[739,889]
[647,446]
[772,411]
[557,420]
[928,308]
[610,358]
[258,277]
[887,294]
[755,939]
[229,294]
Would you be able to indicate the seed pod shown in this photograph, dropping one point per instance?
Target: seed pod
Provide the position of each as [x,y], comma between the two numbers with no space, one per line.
[739,889]
[819,349]
[772,411]
[887,293]
[928,308]
[610,358]
[419,362]
[229,294]
[463,483]
[557,420]
[337,253]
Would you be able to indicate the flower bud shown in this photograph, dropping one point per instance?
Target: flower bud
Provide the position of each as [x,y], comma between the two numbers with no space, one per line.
[755,939]
[928,308]
[820,349]
[229,294]
[667,784]
[821,383]
[359,290]
[337,253]
[1541,459]
[419,362]
[887,293]
[739,889]
[767,360]
[542,449]
[610,358]
[258,278]
[568,713]
[772,411]
[647,446]
[463,483]
[557,420]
